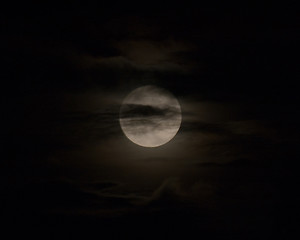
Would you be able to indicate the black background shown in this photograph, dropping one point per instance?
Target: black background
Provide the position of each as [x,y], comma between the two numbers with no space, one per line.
[245,55]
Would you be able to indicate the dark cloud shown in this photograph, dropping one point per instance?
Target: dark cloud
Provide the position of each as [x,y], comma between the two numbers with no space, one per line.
[245,163]
[135,110]
[169,191]
[204,127]
[64,196]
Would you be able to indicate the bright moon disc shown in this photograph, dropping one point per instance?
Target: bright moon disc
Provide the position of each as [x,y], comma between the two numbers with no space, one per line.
[150,116]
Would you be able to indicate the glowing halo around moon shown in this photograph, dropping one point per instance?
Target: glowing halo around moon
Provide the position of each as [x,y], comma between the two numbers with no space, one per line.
[150,116]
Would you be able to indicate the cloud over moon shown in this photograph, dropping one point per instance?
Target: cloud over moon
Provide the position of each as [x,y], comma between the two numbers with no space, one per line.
[150,116]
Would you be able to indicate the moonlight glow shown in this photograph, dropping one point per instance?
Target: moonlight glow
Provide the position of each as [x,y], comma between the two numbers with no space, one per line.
[150,116]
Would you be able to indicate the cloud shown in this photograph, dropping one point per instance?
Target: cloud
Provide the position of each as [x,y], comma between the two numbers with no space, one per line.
[126,66]
[168,190]
[63,196]
[177,191]
[151,52]
[238,163]
[137,58]
[139,110]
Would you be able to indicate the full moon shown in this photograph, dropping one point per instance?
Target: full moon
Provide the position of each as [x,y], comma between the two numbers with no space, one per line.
[150,116]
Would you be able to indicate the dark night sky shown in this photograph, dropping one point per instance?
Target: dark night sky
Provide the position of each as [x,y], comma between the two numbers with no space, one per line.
[68,171]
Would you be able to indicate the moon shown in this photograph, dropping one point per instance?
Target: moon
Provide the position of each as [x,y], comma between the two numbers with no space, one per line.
[150,116]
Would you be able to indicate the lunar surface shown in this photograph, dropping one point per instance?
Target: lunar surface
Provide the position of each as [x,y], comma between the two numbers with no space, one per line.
[150,116]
